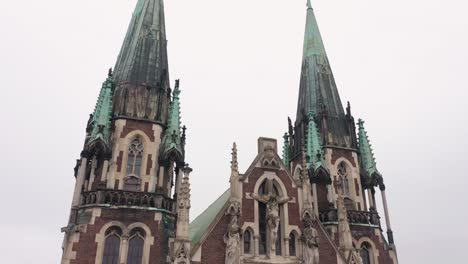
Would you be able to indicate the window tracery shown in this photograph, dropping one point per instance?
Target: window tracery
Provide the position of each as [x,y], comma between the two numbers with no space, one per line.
[135,156]
[366,253]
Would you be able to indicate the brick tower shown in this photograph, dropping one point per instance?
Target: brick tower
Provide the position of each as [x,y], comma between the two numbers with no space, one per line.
[132,165]
[316,204]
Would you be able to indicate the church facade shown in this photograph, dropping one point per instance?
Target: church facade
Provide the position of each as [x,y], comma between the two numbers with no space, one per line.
[314,203]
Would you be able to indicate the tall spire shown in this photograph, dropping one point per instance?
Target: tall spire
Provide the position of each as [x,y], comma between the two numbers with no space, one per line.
[141,71]
[318,90]
[143,57]
[365,150]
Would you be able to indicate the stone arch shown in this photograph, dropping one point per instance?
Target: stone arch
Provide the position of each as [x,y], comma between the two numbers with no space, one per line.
[375,251]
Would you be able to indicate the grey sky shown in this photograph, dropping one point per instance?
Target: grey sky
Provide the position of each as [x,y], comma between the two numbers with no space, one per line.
[402,64]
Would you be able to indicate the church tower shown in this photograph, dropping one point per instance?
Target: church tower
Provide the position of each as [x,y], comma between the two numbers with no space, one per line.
[126,207]
[316,204]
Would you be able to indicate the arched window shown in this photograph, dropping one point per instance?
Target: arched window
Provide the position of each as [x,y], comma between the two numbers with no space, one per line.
[135,246]
[112,246]
[135,154]
[262,243]
[366,253]
[247,242]
[292,245]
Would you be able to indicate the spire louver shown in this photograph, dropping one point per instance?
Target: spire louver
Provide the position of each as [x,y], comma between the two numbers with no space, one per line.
[365,150]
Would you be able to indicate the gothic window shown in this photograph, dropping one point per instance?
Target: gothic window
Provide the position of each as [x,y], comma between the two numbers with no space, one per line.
[263,229]
[292,245]
[112,246]
[247,242]
[135,246]
[135,155]
[270,195]
[366,253]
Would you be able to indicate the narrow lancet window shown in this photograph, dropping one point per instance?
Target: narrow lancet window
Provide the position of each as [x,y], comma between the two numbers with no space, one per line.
[292,244]
[112,246]
[247,242]
[135,247]
[135,154]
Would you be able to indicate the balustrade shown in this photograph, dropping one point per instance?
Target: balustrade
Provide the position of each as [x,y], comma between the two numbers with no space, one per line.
[128,198]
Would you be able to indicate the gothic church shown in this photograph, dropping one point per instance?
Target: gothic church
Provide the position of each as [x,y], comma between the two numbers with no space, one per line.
[314,204]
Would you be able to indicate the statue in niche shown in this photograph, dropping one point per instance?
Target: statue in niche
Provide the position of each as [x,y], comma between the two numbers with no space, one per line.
[310,240]
[232,240]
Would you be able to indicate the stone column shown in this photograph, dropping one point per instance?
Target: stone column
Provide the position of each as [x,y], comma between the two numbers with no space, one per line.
[387,217]
[315,198]
[124,249]
[371,202]
[256,246]
[92,176]
[80,179]
[286,246]
[105,167]
[330,195]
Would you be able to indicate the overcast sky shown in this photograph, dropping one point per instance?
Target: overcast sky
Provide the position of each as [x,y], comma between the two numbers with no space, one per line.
[402,64]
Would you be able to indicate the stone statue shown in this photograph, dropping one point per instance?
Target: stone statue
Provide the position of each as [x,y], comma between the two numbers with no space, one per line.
[232,240]
[310,242]
[273,220]
[181,256]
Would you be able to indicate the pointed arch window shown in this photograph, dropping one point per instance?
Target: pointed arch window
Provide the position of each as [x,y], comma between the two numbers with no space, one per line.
[135,156]
[112,246]
[247,242]
[135,246]
[366,253]
[268,209]
[292,245]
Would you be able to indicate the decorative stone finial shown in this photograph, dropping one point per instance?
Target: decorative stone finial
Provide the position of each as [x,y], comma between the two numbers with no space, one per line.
[234,162]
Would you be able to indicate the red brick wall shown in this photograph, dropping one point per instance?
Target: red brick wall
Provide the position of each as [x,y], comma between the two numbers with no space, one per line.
[86,247]
[132,125]
[359,232]
[214,248]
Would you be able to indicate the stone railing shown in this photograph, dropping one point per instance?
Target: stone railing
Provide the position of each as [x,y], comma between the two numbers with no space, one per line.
[128,198]
[354,217]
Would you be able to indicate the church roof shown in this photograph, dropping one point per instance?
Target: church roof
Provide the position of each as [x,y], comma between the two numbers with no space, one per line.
[143,56]
[201,224]
[318,91]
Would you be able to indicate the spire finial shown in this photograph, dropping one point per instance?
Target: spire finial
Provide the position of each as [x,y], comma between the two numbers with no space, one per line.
[309,5]
[234,162]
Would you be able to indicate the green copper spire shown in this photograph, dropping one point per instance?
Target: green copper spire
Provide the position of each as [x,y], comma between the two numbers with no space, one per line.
[172,141]
[314,148]
[318,91]
[365,149]
[101,121]
[141,72]
[286,147]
